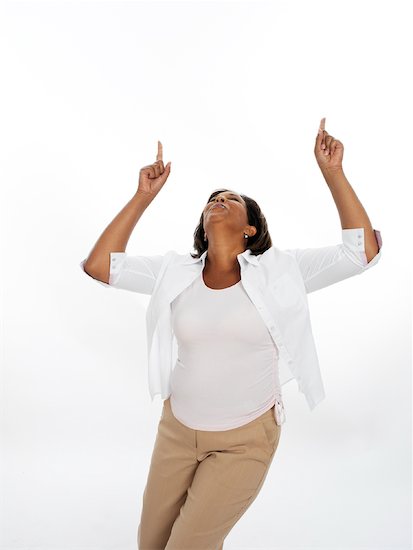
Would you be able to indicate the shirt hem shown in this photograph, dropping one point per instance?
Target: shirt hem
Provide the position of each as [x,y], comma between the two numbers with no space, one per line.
[221,428]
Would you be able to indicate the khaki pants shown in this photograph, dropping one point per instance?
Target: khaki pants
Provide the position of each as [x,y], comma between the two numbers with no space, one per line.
[201,482]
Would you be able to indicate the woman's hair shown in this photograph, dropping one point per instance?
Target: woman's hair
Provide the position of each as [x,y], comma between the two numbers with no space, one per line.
[258,243]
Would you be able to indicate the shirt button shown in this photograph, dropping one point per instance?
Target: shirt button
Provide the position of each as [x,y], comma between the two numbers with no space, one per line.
[359,243]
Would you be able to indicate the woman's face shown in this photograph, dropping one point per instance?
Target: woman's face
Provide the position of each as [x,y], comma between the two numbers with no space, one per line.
[234,213]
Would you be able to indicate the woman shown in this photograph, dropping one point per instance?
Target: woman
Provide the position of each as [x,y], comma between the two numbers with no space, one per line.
[238,312]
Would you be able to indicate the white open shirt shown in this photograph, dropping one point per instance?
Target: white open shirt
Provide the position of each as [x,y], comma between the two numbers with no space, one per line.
[277,283]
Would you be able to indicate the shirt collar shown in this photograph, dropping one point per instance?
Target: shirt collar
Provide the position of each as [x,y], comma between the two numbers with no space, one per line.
[247,255]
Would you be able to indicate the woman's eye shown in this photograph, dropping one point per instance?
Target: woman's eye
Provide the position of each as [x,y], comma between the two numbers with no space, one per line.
[231,198]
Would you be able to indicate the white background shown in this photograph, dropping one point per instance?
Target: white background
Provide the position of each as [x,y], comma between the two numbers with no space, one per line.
[235,92]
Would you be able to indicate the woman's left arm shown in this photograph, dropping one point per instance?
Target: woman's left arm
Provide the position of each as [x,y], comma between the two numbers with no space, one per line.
[329,155]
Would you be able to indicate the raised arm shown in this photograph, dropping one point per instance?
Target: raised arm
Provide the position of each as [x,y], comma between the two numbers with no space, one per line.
[115,237]
[329,154]
[360,246]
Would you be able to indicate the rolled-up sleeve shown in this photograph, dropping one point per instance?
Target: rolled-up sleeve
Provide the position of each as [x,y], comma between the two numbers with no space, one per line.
[134,273]
[324,266]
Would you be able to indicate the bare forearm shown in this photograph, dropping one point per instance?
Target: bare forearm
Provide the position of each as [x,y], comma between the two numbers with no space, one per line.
[351,211]
[116,235]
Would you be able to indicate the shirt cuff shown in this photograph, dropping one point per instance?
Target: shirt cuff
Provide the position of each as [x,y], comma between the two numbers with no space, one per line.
[354,243]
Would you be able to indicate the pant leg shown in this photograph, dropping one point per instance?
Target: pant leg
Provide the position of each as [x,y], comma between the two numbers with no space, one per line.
[173,465]
[233,467]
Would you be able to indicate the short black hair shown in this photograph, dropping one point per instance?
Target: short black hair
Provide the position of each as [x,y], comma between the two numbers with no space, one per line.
[258,243]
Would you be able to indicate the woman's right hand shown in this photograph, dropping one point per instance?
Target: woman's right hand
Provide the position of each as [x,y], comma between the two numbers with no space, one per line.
[153,176]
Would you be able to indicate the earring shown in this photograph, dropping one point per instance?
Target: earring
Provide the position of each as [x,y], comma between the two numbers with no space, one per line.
[245,236]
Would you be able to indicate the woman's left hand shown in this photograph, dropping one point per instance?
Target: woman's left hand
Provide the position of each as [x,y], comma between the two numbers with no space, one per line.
[328,150]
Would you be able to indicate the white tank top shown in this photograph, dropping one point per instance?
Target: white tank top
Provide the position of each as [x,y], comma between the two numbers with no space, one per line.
[226,372]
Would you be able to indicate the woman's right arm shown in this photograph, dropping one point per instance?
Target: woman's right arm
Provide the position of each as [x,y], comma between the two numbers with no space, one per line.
[116,235]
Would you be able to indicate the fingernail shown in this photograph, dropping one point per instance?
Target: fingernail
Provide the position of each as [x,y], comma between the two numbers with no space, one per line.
[323,146]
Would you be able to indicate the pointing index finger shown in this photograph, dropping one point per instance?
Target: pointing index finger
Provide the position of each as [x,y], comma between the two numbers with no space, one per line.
[160,151]
[323,124]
